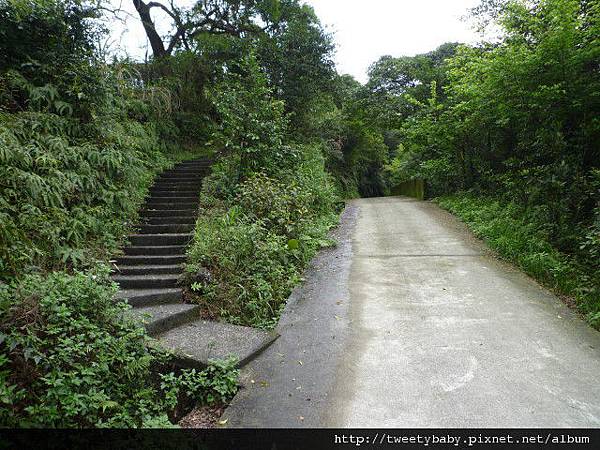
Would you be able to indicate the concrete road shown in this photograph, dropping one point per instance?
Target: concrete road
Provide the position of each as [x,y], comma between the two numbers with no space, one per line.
[410,322]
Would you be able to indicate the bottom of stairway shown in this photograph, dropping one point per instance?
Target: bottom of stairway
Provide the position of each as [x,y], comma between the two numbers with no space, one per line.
[149,270]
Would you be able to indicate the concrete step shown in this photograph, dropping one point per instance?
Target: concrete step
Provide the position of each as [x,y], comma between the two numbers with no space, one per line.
[191,171]
[152,204]
[150,213]
[176,186]
[159,193]
[167,228]
[203,160]
[171,193]
[181,197]
[171,220]
[155,250]
[150,297]
[178,179]
[150,260]
[162,318]
[196,342]
[160,239]
[155,198]
[177,175]
[175,181]
[184,165]
[158,269]
[191,168]
[184,190]
[146,281]
[172,206]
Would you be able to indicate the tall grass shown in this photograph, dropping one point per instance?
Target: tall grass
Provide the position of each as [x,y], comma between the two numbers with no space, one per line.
[510,231]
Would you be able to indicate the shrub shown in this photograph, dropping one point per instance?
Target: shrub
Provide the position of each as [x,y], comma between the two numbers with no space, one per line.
[251,268]
[64,201]
[252,124]
[256,239]
[216,384]
[514,234]
[69,358]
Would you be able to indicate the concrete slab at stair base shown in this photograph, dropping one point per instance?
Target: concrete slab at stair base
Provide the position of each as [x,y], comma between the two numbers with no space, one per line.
[160,318]
[195,343]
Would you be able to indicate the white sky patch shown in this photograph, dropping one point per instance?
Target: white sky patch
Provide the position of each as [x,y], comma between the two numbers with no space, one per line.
[366,30]
[363,30]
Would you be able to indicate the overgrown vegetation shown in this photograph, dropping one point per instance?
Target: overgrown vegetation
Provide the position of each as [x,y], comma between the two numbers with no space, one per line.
[269,203]
[71,358]
[79,144]
[513,232]
[515,123]
[80,141]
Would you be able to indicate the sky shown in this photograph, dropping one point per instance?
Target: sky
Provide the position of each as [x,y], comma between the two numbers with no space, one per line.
[364,30]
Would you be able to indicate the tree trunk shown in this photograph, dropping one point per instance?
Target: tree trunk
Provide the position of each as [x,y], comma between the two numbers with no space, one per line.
[157,44]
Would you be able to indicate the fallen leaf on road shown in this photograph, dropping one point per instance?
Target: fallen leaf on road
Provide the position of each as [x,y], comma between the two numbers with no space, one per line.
[223,422]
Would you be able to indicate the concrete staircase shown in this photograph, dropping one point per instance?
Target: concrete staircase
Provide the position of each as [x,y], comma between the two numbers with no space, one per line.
[149,270]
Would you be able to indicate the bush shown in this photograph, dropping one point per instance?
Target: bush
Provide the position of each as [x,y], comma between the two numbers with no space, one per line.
[251,268]
[252,124]
[267,205]
[286,207]
[214,385]
[64,201]
[256,237]
[515,235]
[69,358]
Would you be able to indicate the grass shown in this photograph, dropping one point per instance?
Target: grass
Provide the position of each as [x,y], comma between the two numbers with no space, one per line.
[507,229]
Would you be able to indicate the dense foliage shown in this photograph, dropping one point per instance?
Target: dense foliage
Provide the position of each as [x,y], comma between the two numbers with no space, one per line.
[79,144]
[77,363]
[516,120]
[269,204]
[70,358]
[80,141]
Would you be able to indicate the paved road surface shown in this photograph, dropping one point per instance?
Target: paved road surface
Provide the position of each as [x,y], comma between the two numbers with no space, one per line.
[409,322]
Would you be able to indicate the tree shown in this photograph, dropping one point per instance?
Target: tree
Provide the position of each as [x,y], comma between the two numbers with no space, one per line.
[229,17]
[297,55]
[518,119]
[412,75]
